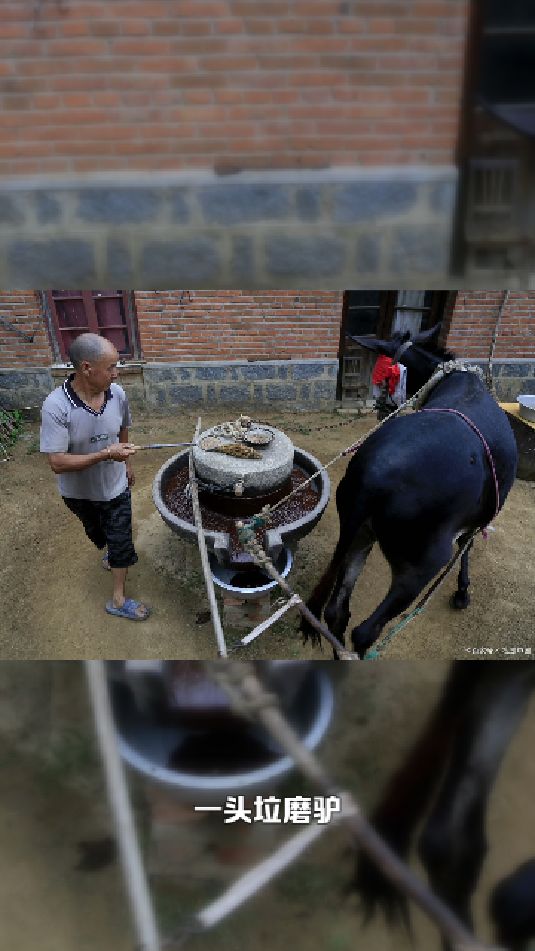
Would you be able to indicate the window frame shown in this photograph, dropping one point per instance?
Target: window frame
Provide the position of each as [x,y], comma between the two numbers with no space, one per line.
[88,297]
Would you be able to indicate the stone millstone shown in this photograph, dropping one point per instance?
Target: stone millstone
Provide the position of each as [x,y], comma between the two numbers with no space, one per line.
[259,476]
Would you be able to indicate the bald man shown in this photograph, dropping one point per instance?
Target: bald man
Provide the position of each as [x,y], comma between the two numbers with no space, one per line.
[84,432]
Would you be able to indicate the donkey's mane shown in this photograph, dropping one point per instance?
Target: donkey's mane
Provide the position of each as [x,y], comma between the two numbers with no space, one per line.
[442,353]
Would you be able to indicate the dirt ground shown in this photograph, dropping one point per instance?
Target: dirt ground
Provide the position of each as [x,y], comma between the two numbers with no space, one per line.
[45,810]
[53,588]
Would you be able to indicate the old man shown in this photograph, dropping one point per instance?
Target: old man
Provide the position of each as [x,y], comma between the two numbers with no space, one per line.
[84,432]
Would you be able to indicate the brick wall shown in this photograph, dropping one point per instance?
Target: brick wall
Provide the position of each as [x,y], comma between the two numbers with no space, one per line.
[474,318]
[201,326]
[87,85]
[23,310]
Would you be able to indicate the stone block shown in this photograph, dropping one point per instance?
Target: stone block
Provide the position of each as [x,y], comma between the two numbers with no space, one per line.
[232,204]
[160,374]
[368,254]
[183,395]
[242,260]
[308,203]
[178,203]
[362,201]
[161,395]
[118,206]
[324,390]
[281,392]
[258,371]
[47,207]
[211,372]
[299,257]
[185,263]
[54,262]
[442,197]
[516,369]
[119,262]
[234,394]
[24,388]
[11,210]
[419,249]
[306,371]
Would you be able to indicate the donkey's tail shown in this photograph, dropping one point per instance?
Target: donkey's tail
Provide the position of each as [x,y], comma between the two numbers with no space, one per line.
[352,516]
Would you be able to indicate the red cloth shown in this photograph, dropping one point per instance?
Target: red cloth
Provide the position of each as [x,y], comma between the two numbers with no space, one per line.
[383,370]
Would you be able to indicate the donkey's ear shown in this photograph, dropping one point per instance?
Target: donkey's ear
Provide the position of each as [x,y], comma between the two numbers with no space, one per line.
[428,336]
[386,347]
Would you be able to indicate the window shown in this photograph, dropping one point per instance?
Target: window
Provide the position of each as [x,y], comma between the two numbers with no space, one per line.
[506,74]
[104,312]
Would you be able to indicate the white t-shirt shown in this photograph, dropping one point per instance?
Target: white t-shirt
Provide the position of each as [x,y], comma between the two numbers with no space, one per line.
[68,425]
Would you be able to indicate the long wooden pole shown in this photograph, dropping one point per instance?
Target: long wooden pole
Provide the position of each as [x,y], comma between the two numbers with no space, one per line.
[212,600]
[133,870]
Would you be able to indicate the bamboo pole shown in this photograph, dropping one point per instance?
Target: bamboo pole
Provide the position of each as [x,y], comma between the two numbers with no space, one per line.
[214,610]
[133,871]
[255,879]
[264,625]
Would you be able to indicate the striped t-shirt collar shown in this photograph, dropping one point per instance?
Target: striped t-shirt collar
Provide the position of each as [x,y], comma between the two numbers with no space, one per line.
[73,397]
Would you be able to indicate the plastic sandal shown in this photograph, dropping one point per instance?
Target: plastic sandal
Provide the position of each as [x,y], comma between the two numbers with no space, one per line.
[128,610]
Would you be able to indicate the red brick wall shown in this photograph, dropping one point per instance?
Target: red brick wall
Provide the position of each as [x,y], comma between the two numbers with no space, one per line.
[23,310]
[474,318]
[168,84]
[237,325]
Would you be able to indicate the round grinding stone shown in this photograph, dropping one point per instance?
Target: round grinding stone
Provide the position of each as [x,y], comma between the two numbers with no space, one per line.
[258,475]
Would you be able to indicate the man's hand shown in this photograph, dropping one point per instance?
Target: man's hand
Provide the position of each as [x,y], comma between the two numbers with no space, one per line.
[120,451]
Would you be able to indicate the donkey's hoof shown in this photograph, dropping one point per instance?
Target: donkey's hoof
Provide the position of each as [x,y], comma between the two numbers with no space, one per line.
[460,600]
[309,633]
[361,643]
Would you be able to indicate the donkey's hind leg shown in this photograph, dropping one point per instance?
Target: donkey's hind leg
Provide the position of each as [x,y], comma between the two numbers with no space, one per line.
[453,844]
[461,598]
[409,578]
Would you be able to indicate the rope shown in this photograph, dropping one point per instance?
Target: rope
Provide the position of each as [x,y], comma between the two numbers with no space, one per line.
[374,652]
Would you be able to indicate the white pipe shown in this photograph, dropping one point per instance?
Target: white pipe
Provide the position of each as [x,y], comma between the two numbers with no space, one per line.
[250,883]
[130,854]
[260,628]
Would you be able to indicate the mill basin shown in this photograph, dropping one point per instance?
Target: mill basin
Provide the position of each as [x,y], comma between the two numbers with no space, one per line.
[204,767]
[232,489]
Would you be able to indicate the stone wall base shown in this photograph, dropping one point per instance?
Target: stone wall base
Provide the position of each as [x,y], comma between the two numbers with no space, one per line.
[329,228]
[511,377]
[299,384]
